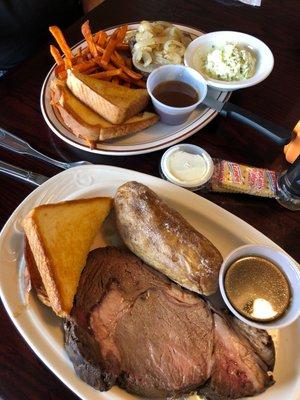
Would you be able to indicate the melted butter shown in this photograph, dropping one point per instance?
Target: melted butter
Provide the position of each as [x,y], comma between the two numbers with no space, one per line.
[187,167]
[257,288]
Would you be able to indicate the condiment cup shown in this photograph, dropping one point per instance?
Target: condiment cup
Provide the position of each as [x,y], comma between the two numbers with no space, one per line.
[175,115]
[198,49]
[192,149]
[287,265]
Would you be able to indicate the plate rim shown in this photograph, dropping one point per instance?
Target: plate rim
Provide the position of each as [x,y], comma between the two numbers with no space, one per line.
[159,144]
[250,234]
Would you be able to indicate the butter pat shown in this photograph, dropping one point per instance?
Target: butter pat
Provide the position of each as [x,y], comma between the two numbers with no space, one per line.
[187,165]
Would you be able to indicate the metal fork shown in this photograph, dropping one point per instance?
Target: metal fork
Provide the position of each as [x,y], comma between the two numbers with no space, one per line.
[17,145]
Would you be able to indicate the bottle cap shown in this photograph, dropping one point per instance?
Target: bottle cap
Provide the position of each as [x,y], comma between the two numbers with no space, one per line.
[291,178]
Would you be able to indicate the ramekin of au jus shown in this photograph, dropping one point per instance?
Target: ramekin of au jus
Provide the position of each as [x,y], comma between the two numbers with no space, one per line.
[261,286]
[175,91]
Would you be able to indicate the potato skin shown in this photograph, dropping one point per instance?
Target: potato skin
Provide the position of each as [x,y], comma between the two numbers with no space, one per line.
[162,238]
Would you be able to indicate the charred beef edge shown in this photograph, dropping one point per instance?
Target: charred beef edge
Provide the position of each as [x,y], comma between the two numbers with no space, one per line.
[90,368]
[83,351]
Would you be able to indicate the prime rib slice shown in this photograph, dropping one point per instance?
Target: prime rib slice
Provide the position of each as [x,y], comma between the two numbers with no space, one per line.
[132,327]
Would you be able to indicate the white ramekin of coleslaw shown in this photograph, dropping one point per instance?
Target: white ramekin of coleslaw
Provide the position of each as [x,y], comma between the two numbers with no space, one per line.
[230,60]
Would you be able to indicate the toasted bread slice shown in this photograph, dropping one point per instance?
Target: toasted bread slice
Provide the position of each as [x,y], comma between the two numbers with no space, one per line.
[35,277]
[113,102]
[60,236]
[87,124]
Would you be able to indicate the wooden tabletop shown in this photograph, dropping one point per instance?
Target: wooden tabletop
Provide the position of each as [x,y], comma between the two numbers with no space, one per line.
[22,374]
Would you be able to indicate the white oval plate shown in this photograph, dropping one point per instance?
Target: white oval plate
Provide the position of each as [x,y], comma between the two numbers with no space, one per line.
[155,138]
[42,329]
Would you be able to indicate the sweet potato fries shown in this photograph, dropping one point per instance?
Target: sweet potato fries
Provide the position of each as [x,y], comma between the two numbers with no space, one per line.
[103,57]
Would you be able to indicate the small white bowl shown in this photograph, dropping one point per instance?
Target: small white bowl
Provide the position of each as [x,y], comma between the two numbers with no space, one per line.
[287,265]
[203,44]
[175,115]
[192,149]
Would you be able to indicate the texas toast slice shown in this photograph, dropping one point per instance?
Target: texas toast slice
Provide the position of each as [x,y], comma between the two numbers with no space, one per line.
[113,102]
[60,236]
[87,124]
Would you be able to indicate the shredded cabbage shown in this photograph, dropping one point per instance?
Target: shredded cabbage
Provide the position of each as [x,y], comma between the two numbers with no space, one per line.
[230,63]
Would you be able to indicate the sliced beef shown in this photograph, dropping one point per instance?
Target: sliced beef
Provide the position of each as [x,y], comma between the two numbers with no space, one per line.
[174,342]
[154,338]
[237,370]
[132,327]
[259,340]
[83,350]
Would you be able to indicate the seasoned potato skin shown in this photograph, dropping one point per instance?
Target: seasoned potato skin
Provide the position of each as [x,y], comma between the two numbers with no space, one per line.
[162,238]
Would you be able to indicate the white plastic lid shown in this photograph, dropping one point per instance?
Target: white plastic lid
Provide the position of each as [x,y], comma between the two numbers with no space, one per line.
[205,175]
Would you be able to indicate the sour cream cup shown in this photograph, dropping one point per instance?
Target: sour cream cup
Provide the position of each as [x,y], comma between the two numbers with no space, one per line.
[205,173]
[176,115]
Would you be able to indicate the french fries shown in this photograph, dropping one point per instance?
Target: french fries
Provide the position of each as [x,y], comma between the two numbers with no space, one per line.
[85,66]
[56,55]
[104,57]
[68,63]
[102,37]
[87,34]
[107,74]
[61,41]
[109,48]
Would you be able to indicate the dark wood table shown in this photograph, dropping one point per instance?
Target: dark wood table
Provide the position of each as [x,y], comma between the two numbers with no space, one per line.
[22,375]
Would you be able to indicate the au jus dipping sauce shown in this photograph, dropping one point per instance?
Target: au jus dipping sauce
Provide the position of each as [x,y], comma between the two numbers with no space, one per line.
[176,94]
[257,288]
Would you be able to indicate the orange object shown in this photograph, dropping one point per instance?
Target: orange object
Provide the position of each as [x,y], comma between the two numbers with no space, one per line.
[102,36]
[121,33]
[128,62]
[61,41]
[140,83]
[100,56]
[85,66]
[107,74]
[56,55]
[292,149]
[62,75]
[110,67]
[87,34]
[119,58]
[96,37]
[68,63]
[122,46]
[110,48]
[132,74]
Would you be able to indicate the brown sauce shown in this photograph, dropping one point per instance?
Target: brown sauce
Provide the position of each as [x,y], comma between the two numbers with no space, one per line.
[257,288]
[176,94]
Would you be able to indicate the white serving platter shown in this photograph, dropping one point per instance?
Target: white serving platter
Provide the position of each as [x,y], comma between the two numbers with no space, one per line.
[156,137]
[42,329]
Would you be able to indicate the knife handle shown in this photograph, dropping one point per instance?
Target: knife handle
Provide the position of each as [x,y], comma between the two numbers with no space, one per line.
[276,133]
[27,176]
[17,145]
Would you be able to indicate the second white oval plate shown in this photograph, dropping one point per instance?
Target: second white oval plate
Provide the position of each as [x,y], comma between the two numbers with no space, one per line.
[42,329]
